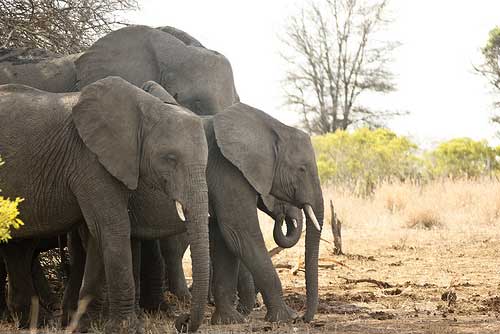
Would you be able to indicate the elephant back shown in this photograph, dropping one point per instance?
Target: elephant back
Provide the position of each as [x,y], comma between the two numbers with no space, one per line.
[198,78]
[19,56]
[38,68]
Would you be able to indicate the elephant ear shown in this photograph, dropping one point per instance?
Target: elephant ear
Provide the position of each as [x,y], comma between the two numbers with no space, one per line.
[107,117]
[246,138]
[182,36]
[158,91]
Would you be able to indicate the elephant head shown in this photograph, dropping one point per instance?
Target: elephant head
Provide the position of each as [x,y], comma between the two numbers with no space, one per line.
[135,135]
[278,160]
[198,78]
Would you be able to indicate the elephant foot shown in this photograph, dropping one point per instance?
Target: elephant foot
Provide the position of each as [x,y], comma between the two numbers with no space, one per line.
[130,325]
[84,322]
[281,314]
[226,316]
[43,318]
[244,308]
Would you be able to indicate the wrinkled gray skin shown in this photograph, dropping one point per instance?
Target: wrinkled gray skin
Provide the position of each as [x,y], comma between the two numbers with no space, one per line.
[82,158]
[251,154]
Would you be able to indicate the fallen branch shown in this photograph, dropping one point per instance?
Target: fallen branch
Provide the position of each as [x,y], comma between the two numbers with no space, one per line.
[380,284]
[338,263]
[336,225]
[275,251]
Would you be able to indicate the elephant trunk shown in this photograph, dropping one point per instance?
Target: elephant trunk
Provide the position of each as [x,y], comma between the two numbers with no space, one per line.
[311,257]
[293,231]
[197,230]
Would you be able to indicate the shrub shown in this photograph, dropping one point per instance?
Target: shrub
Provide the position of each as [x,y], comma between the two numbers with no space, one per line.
[364,158]
[463,157]
[8,215]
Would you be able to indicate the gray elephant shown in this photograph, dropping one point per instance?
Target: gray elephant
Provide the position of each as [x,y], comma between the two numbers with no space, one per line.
[38,69]
[82,159]
[252,154]
[199,78]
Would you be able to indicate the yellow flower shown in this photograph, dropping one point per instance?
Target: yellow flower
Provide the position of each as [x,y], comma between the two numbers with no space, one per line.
[8,216]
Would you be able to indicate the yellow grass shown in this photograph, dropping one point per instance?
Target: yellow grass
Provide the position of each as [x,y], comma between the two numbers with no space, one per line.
[443,237]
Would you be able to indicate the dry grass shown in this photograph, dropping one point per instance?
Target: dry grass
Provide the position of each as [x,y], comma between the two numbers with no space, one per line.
[454,251]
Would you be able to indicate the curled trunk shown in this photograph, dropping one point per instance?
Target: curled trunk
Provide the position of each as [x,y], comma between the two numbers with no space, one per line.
[197,229]
[293,231]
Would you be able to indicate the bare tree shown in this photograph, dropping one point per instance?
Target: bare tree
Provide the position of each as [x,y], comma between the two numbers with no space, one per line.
[335,53]
[62,26]
[490,68]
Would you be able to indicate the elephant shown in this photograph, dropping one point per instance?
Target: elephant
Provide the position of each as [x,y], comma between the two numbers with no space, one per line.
[79,165]
[198,78]
[39,69]
[250,156]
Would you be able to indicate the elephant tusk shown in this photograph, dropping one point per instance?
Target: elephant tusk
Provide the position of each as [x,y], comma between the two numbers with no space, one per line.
[180,211]
[294,222]
[312,216]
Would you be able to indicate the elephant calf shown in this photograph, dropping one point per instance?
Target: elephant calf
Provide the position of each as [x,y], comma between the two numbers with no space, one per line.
[78,157]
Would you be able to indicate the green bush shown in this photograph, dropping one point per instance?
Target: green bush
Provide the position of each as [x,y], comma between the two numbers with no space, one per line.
[463,157]
[363,158]
[8,215]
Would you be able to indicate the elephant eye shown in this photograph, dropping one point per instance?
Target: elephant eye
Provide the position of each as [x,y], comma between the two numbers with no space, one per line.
[302,169]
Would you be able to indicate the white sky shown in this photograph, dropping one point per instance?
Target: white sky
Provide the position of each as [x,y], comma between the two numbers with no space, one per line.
[433,67]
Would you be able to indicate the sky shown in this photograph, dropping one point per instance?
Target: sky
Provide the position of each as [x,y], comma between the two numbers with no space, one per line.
[433,67]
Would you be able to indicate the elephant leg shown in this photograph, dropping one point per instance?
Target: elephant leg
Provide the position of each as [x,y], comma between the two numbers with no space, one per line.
[136,265]
[3,285]
[246,291]
[47,297]
[108,223]
[242,234]
[152,275]
[18,257]
[225,271]
[92,289]
[173,249]
[77,263]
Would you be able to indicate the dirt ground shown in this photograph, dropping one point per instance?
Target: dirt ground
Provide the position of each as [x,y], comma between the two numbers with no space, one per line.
[432,255]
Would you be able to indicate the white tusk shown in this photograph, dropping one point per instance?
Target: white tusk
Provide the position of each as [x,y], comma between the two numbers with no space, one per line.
[312,216]
[180,211]
[294,222]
